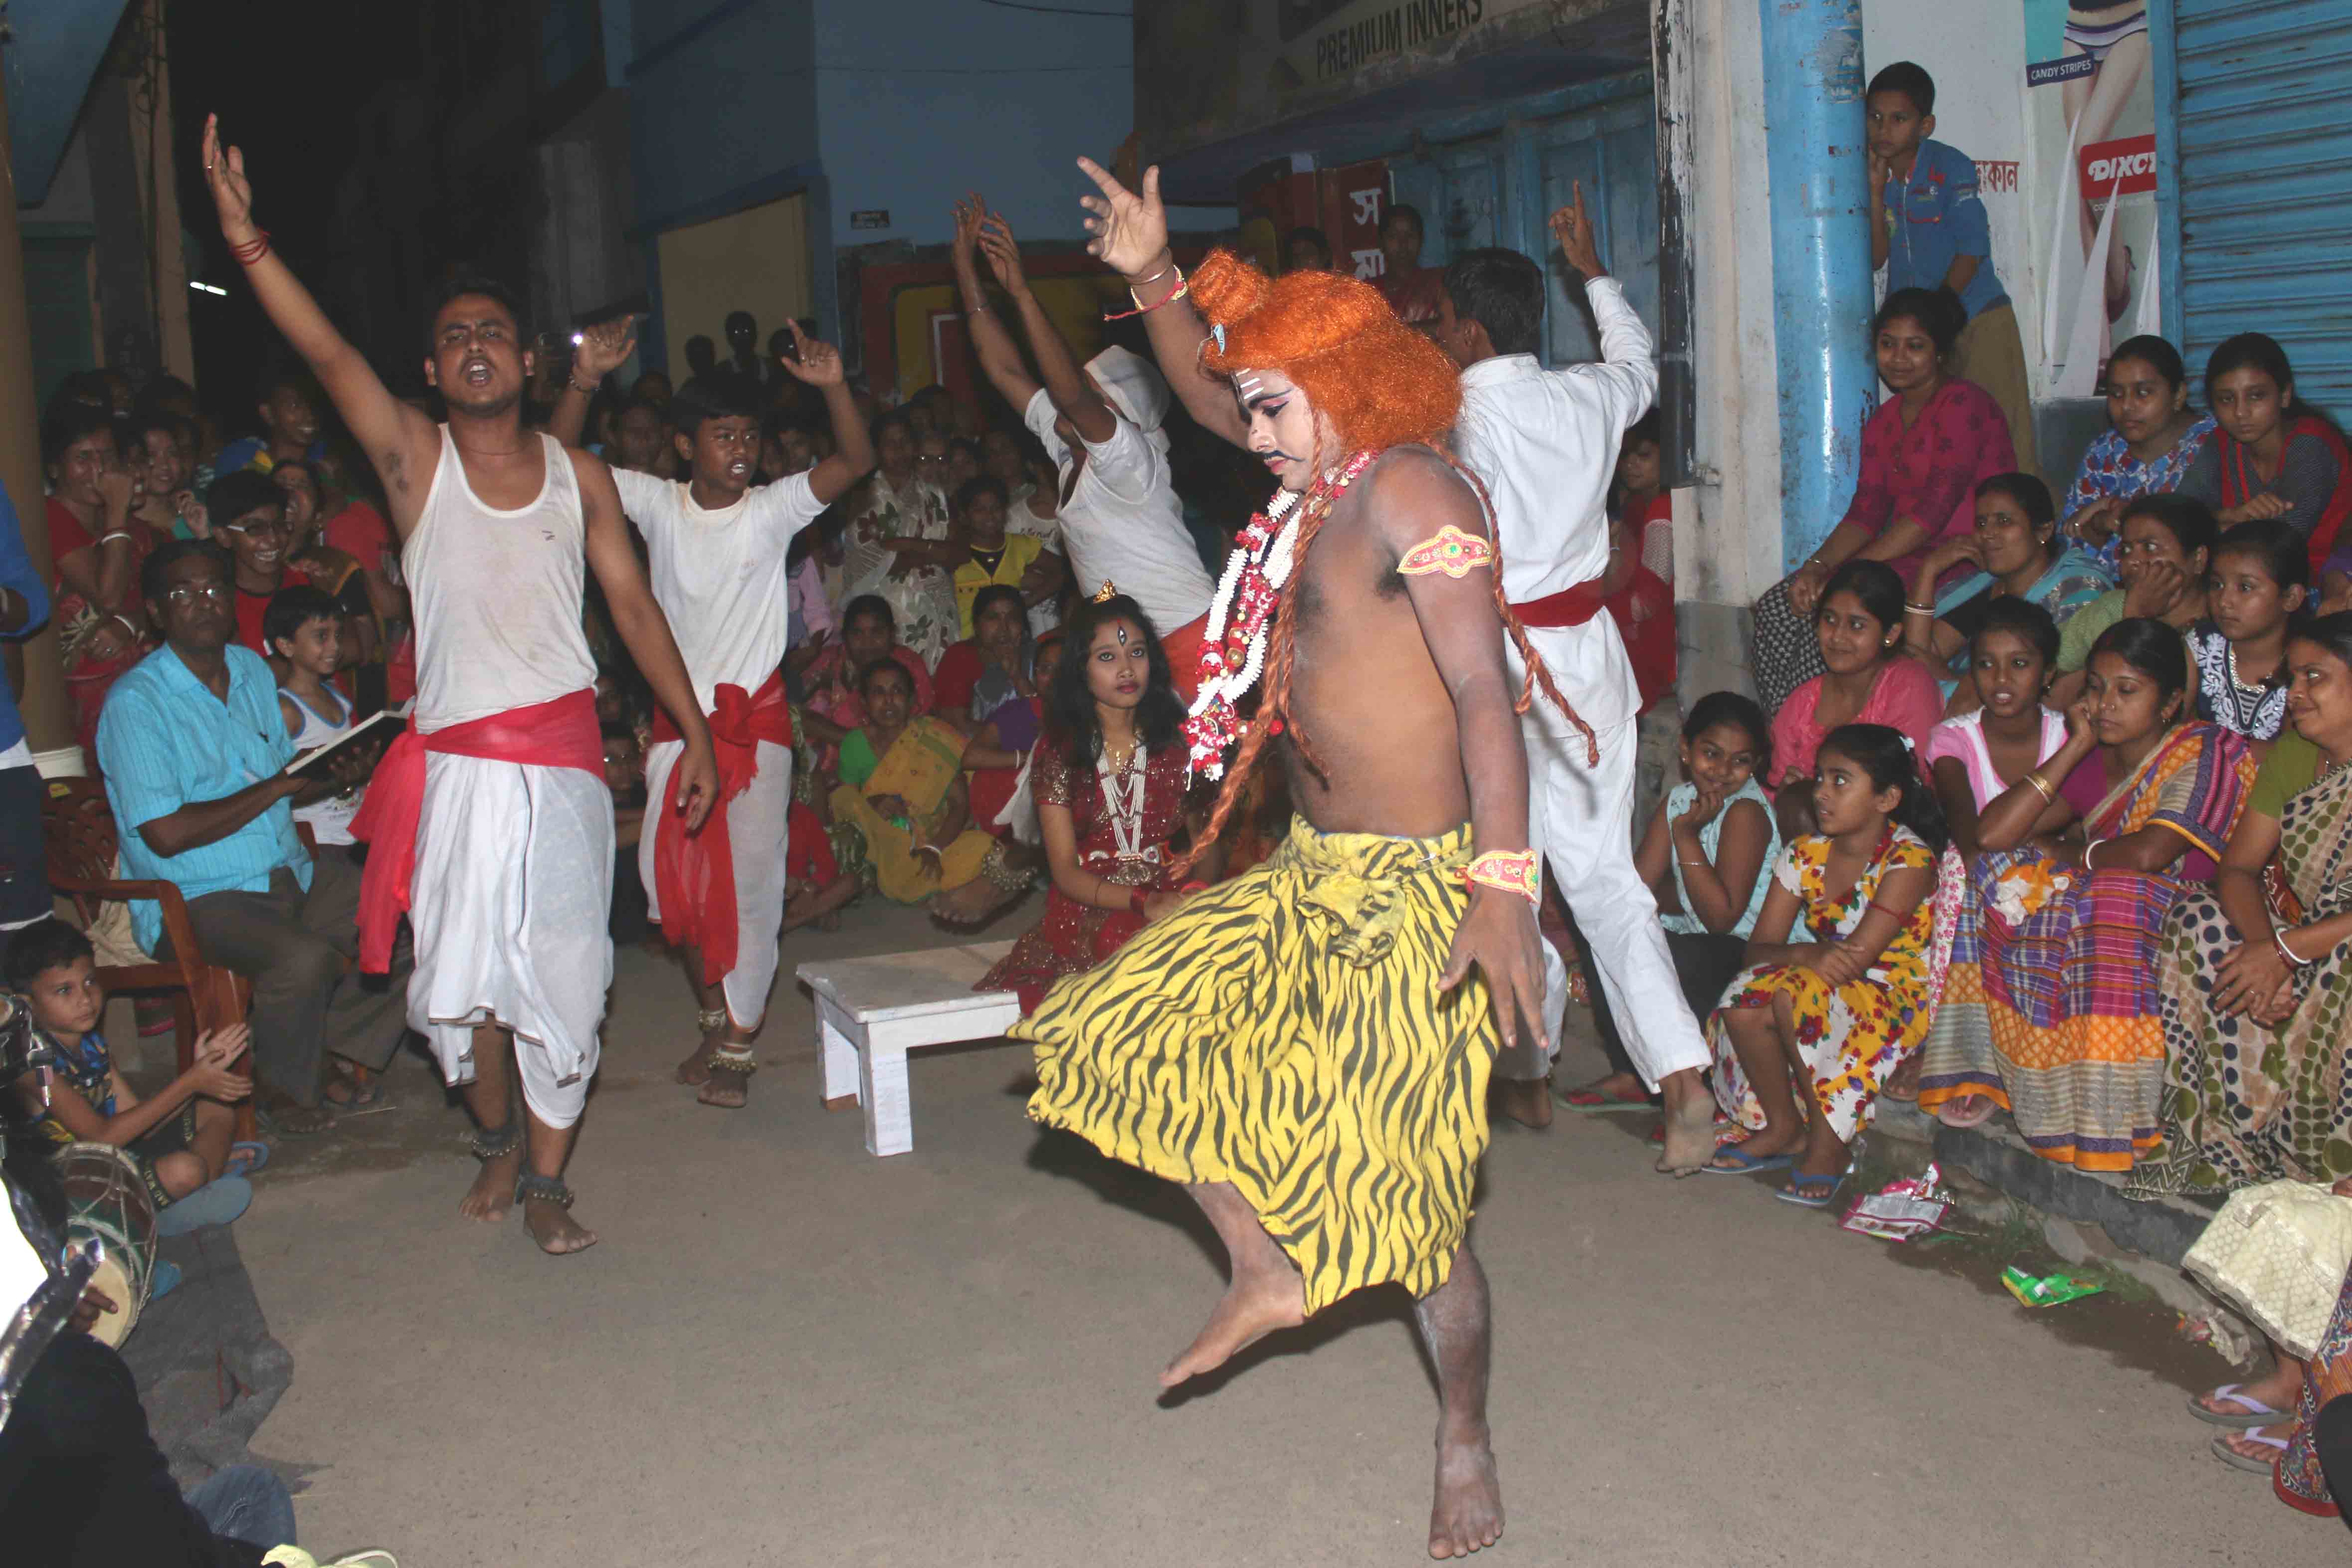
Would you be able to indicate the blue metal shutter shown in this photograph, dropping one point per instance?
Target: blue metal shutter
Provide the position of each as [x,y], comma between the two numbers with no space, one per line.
[2259,146]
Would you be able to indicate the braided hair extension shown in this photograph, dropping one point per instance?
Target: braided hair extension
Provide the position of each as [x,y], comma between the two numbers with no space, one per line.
[1273,715]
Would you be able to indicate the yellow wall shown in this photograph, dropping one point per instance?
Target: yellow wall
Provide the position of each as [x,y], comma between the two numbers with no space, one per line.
[1074,302]
[755,260]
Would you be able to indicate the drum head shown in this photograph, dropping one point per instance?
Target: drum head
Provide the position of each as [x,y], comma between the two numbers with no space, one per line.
[114,1324]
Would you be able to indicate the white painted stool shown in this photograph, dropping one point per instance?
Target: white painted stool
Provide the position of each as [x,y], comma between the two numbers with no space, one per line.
[870,1012]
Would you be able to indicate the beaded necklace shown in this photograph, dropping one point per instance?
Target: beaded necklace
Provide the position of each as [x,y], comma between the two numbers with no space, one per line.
[1232,650]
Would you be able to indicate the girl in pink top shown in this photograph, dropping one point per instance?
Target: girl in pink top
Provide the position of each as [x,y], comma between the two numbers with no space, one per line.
[1871,681]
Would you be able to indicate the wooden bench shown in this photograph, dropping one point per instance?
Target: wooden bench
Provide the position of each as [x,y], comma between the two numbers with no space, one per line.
[870,1012]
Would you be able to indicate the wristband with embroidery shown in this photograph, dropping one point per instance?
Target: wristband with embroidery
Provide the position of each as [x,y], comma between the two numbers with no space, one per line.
[1512,871]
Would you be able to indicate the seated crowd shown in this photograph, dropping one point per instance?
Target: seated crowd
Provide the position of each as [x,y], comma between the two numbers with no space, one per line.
[2043,813]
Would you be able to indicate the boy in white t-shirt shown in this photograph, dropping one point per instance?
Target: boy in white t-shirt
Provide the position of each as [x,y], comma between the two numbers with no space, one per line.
[716,554]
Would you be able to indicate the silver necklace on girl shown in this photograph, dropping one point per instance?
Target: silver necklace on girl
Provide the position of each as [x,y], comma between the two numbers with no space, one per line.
[1122,792]
[2248,715]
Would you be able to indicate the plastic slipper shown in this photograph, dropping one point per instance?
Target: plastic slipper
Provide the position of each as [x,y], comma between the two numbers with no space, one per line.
[2256,1413]
[167,1280]
[1950,1115]
[1813,1192]
[1593,1103]
[2237,1461]
[1744,1163]
[256,1155]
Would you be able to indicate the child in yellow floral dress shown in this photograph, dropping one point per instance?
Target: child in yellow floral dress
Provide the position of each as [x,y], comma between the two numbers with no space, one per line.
[1808,1032]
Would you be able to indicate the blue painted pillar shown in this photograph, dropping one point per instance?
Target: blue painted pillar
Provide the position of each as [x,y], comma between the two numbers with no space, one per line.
[1817,159]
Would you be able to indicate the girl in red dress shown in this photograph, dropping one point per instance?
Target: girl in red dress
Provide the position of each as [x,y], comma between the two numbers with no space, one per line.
[1111,782]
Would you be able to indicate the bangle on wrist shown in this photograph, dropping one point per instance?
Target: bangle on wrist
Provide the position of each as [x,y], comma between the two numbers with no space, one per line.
[2288,953]
[110,538]
[589,390]
[1133,284]
[2040,786]
[1918,609]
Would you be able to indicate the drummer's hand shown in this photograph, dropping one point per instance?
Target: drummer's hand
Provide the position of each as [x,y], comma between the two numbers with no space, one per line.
[94,1304]
[214,1075]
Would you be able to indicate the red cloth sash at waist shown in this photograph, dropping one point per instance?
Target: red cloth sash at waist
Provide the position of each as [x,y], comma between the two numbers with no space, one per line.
[1569,607]
[558,734]
[694,873]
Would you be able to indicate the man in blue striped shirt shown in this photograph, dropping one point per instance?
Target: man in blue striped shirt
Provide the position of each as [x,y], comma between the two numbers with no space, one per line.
[193,746]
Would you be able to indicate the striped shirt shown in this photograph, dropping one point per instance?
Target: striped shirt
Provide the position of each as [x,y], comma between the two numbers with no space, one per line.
[164,741]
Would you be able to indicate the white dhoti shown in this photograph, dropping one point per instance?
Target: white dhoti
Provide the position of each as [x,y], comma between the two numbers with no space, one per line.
[1576,819]
[511,906]
[758,823]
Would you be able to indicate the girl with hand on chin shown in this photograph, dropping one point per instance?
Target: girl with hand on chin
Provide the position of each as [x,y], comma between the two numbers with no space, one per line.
[2017,555]
[1858,626]
[1808,1033]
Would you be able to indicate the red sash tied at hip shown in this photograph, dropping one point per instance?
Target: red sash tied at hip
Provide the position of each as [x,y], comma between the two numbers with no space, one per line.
[694,873]
[1569,607]
[562,733]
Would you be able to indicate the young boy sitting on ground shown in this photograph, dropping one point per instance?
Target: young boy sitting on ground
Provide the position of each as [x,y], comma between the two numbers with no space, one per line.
[304,627]
[182,1135]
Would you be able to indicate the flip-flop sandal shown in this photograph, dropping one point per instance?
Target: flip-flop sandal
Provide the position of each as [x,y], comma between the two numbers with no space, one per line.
[166,1279]
[1949,1116]
[1593,1102]
[2255,1413]
[2237,1461]
[256,1156]
[1744,1163]
[1813,1192]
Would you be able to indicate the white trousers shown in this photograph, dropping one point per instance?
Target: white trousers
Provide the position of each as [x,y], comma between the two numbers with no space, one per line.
[1577,817]
[758,821]
[510,907]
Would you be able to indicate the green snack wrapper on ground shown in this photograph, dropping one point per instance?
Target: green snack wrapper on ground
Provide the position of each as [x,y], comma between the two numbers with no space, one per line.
[2046,1291]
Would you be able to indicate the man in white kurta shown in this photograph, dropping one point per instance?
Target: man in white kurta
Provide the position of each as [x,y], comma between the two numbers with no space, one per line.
[716,553]
[1545,443]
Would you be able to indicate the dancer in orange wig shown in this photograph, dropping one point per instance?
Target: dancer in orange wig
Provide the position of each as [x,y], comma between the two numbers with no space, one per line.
[1298,1046]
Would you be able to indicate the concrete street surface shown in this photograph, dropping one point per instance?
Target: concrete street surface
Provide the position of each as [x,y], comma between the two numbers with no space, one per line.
[786,1352]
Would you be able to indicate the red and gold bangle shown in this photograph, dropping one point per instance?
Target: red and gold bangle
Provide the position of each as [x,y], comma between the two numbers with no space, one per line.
[252,250]
[1513,870]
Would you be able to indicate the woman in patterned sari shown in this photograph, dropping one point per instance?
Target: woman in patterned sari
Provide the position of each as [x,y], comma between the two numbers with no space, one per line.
[2050,1007]
[2256,972]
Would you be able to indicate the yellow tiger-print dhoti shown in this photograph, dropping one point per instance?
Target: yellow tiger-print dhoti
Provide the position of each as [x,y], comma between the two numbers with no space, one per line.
[1283,1032]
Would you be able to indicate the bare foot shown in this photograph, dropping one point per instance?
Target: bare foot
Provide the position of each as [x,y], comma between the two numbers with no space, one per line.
[726,1088]
[492,1192]
[552,1226]
[1968,1110]
[1690,1136]
[1902,1084]
[971,904]
[1256,1304]
[1527,1101]
[696,1067]
[1468,1514]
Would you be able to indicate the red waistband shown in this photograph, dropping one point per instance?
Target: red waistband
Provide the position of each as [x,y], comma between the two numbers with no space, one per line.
[1569,607]
[736,718]
[562,734]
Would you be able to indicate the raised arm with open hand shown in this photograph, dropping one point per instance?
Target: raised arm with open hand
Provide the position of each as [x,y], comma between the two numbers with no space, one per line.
[1130,236]
[602,349]
[818,364]
[401,443]
[1075,398]
[1000,355]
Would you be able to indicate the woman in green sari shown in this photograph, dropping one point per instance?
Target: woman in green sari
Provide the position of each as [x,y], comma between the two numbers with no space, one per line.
[902,787]
[2256,972]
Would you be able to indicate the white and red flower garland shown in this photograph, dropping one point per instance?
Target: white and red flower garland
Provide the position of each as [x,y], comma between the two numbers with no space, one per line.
[1232,650]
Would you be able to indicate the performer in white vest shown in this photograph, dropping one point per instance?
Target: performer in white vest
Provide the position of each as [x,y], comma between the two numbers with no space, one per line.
[488,821]
[1545,443]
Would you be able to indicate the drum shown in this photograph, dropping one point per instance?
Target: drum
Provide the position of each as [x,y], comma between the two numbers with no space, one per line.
[107,1202]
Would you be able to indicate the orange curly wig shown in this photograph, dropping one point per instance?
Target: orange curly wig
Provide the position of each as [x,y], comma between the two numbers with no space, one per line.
[1381,383]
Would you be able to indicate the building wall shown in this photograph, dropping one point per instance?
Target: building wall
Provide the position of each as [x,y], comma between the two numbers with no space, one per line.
[722,102]
[921,100]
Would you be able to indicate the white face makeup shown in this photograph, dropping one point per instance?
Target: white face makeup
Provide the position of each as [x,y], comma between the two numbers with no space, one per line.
[1282,426]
